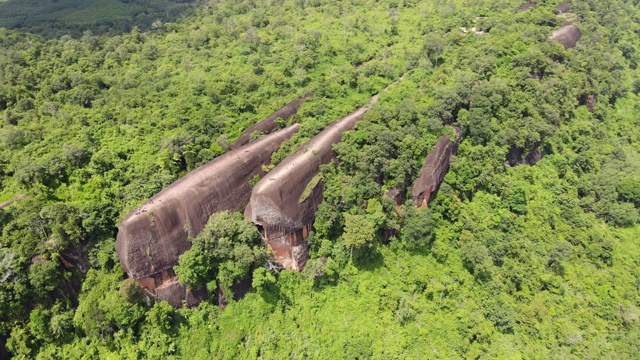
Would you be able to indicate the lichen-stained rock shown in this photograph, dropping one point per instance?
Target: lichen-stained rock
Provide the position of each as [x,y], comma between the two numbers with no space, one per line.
[151,238]
[284,203]
[567,35]
[269,124]
[433,171]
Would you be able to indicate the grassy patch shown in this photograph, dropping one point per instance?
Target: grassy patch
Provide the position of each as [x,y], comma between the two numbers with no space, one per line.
[310,186]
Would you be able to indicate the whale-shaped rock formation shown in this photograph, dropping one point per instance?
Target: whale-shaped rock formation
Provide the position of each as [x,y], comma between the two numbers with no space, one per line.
[151,238]
[433,171]
[269,124]
[567,35]
[284,203]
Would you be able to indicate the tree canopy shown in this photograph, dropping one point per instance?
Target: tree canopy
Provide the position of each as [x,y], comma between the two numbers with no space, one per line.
[529,248]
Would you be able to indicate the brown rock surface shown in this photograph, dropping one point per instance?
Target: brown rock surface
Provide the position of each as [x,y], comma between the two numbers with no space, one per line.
[563,8]
[433,171]
[151,239]
[397,195]
[175,293]
[526,6]
[277,204]
[591,102]
[269,124]
[567,35]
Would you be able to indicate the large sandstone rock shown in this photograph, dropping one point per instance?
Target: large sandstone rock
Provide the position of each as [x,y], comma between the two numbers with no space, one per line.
[567,35]
[151,238]
[284,203]
[433,171]
[268,124]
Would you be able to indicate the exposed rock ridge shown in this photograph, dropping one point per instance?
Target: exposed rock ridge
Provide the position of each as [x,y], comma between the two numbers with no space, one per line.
[567,35]
[277,204]
[269,124]
[151,238]
[435,167]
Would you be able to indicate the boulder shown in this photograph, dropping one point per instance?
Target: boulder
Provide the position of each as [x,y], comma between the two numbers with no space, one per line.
[268,124]
[284,203]
[178,294]
[397,195]
[435,167]
[529,5]
[567,35]
[563,8]
[151,238]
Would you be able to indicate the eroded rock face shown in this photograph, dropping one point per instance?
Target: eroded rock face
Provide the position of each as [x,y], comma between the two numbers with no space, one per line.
[433,171]
[567,35]
[284,203]
[268,124]
[151,239]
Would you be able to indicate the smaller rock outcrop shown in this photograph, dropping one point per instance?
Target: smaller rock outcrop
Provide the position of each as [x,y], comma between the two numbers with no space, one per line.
[527,6]
[589,100]
[433,171]
[284,203]
[567,35]
[151,238]
[563,8]
[397,195]
[175,294]
[516,156]
[268,124]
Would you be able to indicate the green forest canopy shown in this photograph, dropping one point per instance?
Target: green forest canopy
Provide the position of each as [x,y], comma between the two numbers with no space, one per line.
[507,262]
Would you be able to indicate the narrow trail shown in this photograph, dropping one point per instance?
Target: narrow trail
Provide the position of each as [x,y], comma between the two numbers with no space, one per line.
[9,202]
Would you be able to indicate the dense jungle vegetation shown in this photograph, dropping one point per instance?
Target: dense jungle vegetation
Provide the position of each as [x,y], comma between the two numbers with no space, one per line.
[508,261]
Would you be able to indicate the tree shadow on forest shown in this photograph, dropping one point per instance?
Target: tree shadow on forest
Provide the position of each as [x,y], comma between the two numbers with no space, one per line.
[373,260]
[54,18]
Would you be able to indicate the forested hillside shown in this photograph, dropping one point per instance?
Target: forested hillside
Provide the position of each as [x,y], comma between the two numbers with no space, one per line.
[529,249]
